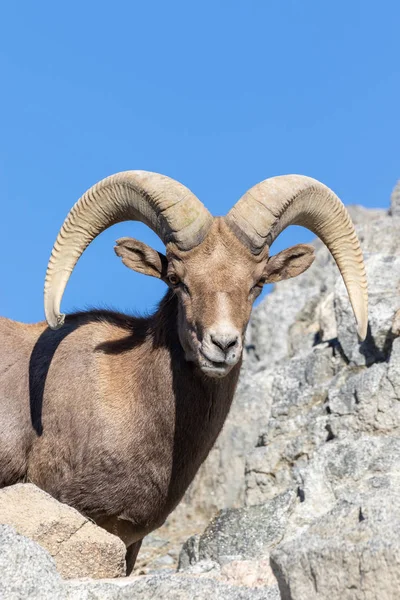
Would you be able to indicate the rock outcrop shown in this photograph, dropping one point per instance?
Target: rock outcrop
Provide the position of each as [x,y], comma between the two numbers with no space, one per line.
[27,570]
[78,546]
[344,541]
[395,201]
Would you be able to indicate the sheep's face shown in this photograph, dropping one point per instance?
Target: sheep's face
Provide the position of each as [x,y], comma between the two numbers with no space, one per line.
[216,284]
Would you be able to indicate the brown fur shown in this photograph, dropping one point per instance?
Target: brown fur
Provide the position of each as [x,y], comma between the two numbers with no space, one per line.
[113,414]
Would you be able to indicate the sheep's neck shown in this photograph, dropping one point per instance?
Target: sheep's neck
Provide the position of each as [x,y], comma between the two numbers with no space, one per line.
[201,403]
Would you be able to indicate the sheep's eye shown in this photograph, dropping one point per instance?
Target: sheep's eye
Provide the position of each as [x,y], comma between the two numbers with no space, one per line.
[174,279]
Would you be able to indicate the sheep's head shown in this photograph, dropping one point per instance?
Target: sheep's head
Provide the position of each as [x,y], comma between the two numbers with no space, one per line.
[216,266]
[216,284]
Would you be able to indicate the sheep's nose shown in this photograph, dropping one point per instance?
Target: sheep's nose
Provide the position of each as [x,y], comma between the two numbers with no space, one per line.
[225,341]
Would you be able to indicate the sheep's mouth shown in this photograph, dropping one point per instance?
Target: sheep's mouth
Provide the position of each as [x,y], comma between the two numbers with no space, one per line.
[213,368]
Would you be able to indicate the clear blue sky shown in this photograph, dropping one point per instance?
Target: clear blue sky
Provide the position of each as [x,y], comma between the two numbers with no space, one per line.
[217,94]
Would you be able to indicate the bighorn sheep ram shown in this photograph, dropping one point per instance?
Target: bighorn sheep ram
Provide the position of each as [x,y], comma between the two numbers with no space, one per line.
[114,414]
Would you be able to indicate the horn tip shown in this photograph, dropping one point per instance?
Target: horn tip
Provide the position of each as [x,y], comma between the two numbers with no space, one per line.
[362,331]
[56,322]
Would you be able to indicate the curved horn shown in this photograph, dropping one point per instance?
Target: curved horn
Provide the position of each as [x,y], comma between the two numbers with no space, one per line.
[169,208]
[272,205]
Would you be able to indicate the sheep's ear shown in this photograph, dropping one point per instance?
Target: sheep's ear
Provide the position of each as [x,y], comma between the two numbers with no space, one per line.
[289,263]
[141,258]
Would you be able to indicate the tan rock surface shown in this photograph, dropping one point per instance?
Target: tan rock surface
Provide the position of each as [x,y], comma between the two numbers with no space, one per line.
[78,546]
